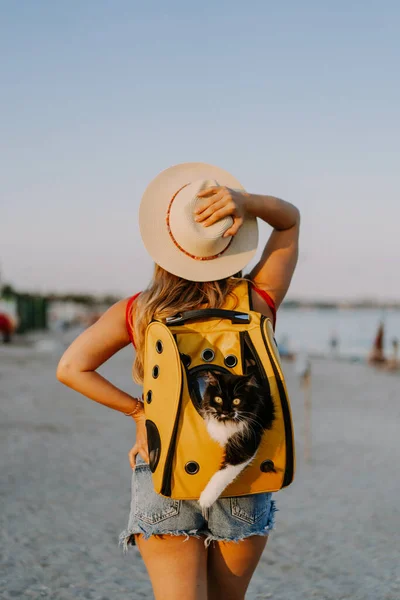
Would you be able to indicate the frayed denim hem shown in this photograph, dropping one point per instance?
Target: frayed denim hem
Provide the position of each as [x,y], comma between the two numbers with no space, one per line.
[216,538]
[127,537]
[270,526]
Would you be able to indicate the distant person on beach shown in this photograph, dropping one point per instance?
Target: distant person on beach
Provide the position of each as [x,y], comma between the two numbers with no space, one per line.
[334,343]
[200,227]
[393,363]
[284,348]
[377,356]
[6,327]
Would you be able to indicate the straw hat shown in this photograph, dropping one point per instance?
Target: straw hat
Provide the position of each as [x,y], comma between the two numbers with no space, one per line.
[176,241]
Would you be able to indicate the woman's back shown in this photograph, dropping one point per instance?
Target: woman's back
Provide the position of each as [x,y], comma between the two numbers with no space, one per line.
[200,227]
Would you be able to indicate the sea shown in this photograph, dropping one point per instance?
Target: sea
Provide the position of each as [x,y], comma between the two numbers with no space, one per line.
[311,330]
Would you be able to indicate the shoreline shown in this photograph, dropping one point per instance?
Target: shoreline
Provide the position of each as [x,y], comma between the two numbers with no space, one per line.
[48,340]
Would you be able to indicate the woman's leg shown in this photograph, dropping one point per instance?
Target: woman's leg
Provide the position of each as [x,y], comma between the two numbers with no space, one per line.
[177,568]
[231,566]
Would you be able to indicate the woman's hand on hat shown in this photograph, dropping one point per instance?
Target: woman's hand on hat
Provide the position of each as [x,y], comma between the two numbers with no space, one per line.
[221,202]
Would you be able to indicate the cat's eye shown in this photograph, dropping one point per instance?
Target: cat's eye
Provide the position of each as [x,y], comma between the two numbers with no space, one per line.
[218,400]
[236,402]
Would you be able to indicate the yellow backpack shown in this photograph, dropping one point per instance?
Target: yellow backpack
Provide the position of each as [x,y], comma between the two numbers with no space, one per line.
[183,456]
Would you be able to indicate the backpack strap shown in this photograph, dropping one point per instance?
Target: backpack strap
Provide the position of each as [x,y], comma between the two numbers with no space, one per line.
[243,293]
[240,300]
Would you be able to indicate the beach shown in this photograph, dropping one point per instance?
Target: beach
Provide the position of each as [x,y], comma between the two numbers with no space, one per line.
[65,486]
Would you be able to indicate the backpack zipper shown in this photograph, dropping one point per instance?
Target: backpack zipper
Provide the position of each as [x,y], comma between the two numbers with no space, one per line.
[167,475]
[288,477]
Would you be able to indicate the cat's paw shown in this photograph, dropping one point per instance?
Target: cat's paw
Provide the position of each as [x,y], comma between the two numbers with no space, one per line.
[207,498]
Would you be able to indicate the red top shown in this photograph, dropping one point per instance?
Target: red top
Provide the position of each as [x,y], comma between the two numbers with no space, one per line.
[264,295]
[267,298]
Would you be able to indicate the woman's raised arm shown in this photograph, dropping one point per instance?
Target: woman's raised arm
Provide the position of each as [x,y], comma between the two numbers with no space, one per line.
[273,273]
[274,270]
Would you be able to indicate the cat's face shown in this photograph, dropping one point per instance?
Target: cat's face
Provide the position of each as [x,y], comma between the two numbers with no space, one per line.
[227,396]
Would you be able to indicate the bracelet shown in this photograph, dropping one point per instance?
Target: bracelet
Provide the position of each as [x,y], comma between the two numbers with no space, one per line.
[136,409]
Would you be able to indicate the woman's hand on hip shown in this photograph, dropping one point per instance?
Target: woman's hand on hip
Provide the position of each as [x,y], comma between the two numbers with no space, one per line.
[140,446]
[221,202]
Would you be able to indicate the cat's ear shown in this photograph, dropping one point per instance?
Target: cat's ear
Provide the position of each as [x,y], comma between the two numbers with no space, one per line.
[210,378]
[252,381]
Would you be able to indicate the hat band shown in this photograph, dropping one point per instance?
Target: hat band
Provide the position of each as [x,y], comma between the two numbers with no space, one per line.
[180,247]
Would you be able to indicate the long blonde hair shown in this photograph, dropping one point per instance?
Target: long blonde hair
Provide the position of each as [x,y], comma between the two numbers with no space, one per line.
[167,295]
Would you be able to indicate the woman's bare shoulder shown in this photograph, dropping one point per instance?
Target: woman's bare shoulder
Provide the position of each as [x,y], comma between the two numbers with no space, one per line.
[118,309]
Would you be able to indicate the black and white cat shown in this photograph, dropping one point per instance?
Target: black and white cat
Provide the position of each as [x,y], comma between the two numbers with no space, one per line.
[237,411]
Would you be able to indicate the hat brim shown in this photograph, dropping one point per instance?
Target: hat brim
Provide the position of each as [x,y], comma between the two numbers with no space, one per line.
[158,242]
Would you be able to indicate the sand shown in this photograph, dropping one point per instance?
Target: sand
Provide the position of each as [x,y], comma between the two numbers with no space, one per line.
[65,488]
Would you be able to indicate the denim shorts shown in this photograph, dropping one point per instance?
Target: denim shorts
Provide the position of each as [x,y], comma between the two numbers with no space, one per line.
[228,519]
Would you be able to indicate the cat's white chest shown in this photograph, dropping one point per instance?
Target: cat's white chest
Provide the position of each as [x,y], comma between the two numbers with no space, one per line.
[221,432]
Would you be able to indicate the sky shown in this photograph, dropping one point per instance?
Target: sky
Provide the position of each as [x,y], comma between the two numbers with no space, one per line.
[296,99]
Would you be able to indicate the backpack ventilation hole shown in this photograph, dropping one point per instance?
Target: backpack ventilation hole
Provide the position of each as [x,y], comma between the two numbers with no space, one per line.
[208,355]
[267,466]
[230,361]
[192,467]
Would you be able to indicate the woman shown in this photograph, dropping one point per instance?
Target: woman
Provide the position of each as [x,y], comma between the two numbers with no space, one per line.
[200,227]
